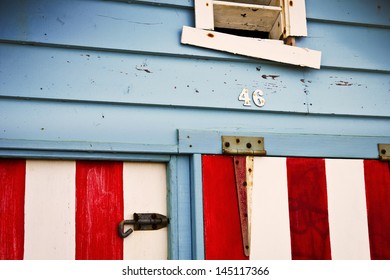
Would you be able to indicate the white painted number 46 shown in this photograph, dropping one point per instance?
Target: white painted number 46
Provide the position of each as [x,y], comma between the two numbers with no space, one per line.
[257,97]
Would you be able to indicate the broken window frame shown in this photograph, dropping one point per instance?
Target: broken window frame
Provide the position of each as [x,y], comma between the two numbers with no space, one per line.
[290,23]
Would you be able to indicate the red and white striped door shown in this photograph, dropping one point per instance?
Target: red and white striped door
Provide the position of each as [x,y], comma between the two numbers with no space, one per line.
[298,208]
[71,209]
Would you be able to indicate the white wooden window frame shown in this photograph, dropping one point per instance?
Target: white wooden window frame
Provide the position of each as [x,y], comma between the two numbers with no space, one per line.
[290,23]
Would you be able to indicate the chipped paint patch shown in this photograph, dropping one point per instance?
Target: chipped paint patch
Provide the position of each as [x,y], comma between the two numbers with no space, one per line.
[343,84]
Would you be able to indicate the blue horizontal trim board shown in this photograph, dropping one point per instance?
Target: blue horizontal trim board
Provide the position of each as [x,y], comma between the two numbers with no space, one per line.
[80,75]
[299,145]
[136,27]
[72,155]
[68,127]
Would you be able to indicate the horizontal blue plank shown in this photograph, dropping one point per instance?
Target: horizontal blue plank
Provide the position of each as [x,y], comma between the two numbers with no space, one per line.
[118,26]
[80,75]
[354,11]
[347,92]
[349,46]
[278,144]
[140,79]
[100,24]
[146,126]
[72,155]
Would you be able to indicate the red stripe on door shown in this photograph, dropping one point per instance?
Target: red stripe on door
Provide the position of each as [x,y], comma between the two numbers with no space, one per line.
[12,190]
[308,206]
[377,179]
[99,209]
[221,219]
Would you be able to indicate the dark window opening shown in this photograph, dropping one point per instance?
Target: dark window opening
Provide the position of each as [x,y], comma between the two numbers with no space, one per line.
[244,33]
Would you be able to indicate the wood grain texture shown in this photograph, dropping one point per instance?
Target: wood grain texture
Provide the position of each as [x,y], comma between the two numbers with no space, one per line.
[245,16]
[99,209]
[308,206]
[377,179]
[12,191]
[221,215]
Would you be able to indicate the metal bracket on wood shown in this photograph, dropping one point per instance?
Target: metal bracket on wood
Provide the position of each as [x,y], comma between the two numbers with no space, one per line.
[241,145]
[384,152]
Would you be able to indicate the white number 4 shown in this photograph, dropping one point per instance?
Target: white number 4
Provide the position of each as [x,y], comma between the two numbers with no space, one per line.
[257,97]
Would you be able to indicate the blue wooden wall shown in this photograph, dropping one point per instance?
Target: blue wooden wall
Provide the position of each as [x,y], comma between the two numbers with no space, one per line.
[103,76]
[110,79]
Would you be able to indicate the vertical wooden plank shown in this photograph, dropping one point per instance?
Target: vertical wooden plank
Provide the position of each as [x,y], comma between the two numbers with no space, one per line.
[295,18]
[173,229]
[377,178]
[99,210]
[270,238]
[220,206]
[145,191]
[50,210]
[347,209]
[179,205]
[204,14]
[308,206]
[12,192]
[197,208]
[184,207]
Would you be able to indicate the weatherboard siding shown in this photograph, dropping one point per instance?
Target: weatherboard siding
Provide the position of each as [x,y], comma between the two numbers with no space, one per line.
[70,71]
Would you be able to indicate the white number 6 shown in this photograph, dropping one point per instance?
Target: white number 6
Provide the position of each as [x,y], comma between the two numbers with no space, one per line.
[258,98]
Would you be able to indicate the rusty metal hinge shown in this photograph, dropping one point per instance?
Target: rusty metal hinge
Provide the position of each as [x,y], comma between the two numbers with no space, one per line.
[384,152]
[143,221]
[240,173]
[243,145]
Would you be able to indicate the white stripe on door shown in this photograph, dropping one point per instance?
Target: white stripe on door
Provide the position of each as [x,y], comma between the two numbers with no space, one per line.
[145,191]
[270,237]
[50,210]
[347,209]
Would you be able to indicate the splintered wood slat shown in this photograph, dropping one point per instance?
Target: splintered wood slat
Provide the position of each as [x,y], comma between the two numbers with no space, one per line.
[245,16]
